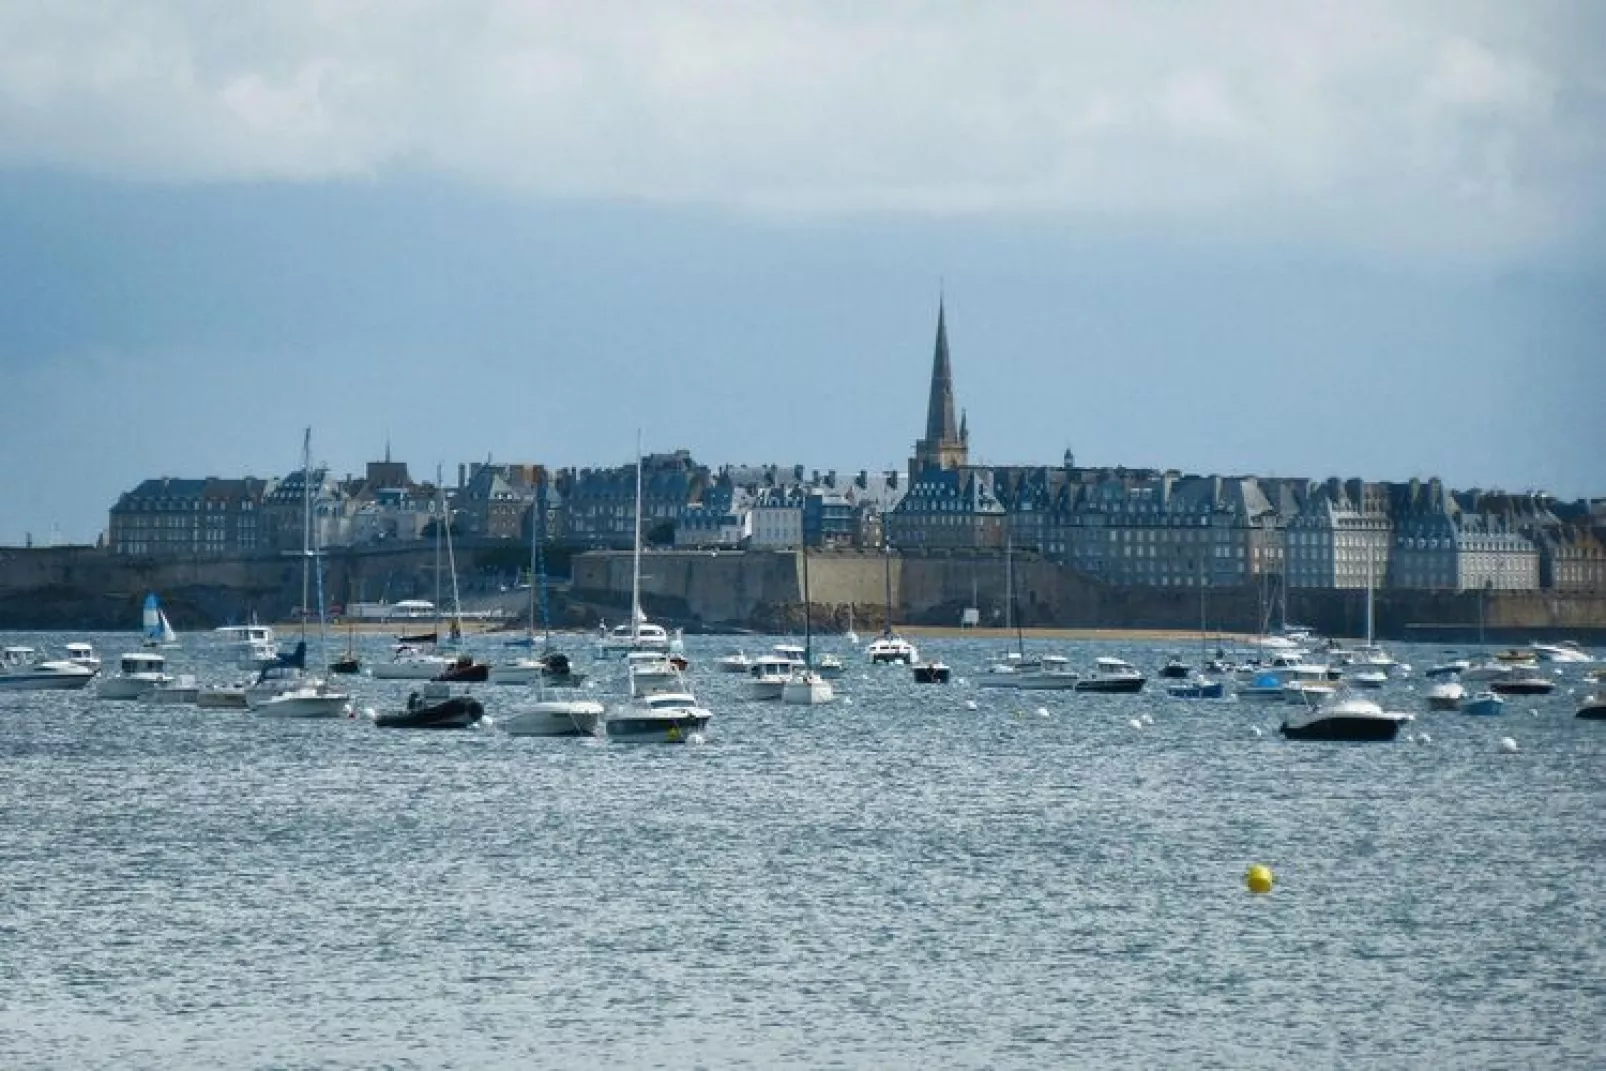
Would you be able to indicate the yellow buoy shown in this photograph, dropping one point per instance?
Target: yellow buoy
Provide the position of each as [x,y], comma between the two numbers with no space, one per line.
[1260,879]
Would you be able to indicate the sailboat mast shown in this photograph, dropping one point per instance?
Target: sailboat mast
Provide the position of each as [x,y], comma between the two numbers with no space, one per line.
[887,563]
[635,565]
[1370,584]
[440,519]
[535,510]
[808,619]
[306,522]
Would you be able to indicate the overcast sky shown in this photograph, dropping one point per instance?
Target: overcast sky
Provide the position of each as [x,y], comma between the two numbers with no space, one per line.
[1359,239]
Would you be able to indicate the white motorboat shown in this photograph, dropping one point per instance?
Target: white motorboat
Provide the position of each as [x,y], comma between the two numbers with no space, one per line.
[410,662]
[83,654]
[181,690]
[221,697]
[1303,692]
[1593,708]
[553,717]
[660,710]
[1343,716]
[1484,704]
[249,646]
[1051,673]
[768,675]
[1446,695]
[1112,675]
[733,661]
[137,673]
[1453,668]
[643,635]
[1566,651]
[829,666]
[1367,678]
[21,670]
[313,697]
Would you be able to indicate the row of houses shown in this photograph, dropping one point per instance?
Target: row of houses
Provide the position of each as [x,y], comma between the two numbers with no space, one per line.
[1138,527]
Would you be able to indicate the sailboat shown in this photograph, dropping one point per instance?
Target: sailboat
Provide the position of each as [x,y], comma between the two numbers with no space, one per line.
[1370,664]
[806,687]
[851,636]
[661,707]
[303,696]
[158,630]
[1198,686]
[638,634]
[1047,673]
[416,657]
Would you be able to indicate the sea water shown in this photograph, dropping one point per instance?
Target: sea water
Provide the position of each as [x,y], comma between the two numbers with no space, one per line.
[894,880]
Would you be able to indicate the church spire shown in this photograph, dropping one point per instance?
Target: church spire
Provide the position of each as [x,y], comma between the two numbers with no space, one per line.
[940,425]
[945,445]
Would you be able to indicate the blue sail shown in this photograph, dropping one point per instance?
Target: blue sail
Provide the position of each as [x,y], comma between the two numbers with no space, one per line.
[151,620]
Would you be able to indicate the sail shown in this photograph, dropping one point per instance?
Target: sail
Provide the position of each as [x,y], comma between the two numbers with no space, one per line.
[164,630]
[151,620]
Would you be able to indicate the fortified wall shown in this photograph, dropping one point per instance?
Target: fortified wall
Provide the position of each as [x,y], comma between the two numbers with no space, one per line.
[88,588]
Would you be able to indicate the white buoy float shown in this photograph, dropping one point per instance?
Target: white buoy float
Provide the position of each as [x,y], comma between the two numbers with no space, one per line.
[1507,744]
[970,704]
[847,700]
[1255,729]
[1423,738]
[1135,723]
[1042,712]
[1148,719]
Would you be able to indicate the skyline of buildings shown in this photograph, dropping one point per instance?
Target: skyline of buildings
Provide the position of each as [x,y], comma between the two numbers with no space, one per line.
[1149,527]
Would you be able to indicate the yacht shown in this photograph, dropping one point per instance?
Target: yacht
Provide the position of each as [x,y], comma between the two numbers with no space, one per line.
[661,709]
[1343,716]
[768,675]
[410,662]
[137,673]
[552,670]
[181,691]
[21,670]
[1522,681]
[1453,668]
[248,646]
[889,648]
[1112,675]
[1199,687]
[437,707]
[553,717]
[1564,651]
[1446,695]
[733,661]
[83,654]
[1045,673]
[1484,704]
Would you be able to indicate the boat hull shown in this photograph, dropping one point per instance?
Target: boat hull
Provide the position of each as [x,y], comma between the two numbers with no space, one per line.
[807,693]
[553,718]
[458,712]
[1123,686]
[1595,711]
[45,682]
[1521,687]
[299,705]
[644,728]
[1343,727]
[933,673]
[1205,690]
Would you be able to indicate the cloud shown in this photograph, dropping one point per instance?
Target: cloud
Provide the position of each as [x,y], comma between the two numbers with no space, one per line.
[1431,128]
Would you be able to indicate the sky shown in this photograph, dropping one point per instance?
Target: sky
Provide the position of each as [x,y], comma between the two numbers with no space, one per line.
[1297,239]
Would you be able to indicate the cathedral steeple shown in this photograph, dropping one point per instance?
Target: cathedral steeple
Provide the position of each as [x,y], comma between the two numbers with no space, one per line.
[946,443]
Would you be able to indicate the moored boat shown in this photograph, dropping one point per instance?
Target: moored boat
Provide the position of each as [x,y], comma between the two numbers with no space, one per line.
[22,670]
[1446,695]
[137,673]
[933,672]
[1593,708]
[436,707]
[1343,717]
[1483,704]
[1112,675]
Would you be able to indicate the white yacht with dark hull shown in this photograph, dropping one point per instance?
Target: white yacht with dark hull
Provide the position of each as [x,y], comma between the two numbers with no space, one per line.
[1343,717]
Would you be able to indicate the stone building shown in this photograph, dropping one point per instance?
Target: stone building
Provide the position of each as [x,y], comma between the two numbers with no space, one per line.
[208,517]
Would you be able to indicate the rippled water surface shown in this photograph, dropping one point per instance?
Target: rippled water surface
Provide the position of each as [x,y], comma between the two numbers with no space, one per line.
[892,881]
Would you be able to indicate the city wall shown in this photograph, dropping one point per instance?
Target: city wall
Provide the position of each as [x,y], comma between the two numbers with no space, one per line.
[87,588]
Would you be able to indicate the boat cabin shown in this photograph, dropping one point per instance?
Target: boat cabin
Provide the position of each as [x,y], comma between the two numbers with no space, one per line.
[12,657]
[140,662]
